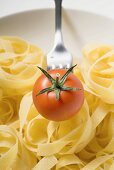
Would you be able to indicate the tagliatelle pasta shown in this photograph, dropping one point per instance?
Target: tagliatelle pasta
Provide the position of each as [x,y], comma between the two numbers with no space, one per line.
[30,142]
[18,61]
[13,154]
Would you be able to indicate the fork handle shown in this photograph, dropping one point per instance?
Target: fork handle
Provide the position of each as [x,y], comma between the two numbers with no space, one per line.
[58,16]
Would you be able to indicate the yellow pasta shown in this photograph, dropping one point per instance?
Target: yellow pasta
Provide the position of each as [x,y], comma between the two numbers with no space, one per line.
[30,142]
[18,61]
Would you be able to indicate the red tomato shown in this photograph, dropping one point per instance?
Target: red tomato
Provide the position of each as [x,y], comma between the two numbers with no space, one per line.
[69,103]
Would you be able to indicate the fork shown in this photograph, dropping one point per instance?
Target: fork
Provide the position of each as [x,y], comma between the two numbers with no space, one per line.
[58,57]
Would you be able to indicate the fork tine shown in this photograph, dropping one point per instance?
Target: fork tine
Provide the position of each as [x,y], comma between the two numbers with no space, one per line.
[68,66]
[53,66]
[60,66]
[49,68]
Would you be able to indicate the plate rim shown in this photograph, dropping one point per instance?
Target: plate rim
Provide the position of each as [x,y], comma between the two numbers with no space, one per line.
[52,9]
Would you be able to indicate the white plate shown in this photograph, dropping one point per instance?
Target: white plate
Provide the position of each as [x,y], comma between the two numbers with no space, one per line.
[79,28]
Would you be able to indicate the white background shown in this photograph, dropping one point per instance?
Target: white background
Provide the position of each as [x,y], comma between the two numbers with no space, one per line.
[104,7]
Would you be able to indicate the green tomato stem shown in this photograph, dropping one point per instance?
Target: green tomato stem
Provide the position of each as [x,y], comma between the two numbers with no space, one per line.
[57,80]
[57,84]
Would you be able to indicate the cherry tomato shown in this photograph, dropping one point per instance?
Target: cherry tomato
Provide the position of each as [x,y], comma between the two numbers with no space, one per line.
[69,102]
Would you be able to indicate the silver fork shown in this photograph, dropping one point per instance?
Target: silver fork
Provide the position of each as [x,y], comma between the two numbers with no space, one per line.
[58,57]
